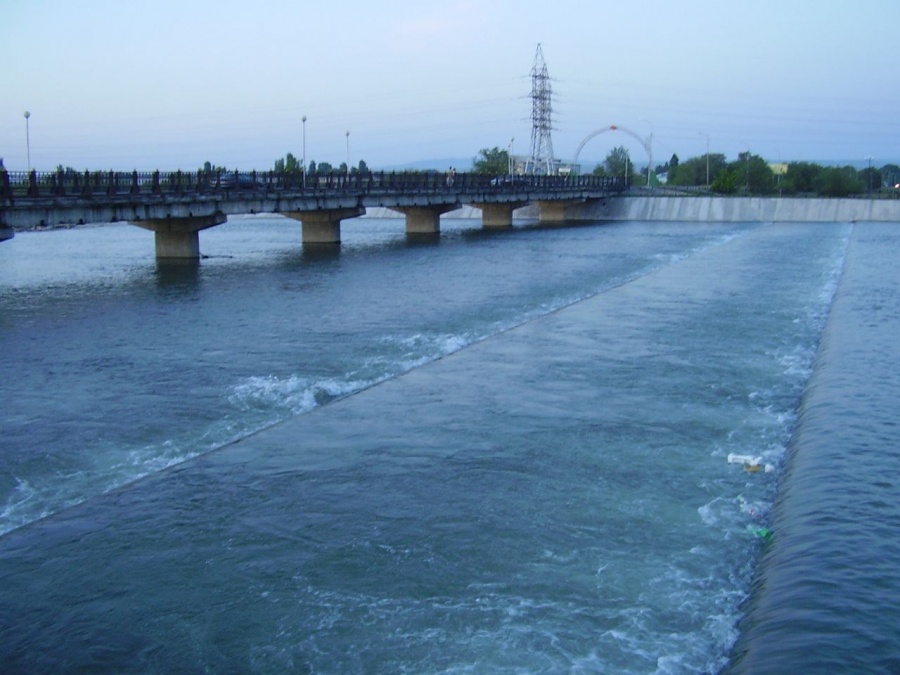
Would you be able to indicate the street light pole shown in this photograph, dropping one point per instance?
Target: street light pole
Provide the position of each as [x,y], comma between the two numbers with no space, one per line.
[28,140]
[869,158]
[748,169]
[347,134]
[747,163]
[649,151]
[303,120]
[707,157]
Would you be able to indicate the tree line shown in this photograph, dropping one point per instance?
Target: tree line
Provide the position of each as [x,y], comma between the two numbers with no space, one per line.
[289,164]
[752,174]
[748,174]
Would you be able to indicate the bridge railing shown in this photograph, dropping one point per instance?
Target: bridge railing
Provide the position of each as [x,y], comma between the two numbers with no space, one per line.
[59,184]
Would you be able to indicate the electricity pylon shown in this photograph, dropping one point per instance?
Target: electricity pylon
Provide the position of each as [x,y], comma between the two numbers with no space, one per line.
[541,117]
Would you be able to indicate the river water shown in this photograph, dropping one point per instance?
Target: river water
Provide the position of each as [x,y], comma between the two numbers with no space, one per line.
[488,452]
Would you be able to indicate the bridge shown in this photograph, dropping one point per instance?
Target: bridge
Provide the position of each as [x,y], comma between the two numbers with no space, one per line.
[177,205]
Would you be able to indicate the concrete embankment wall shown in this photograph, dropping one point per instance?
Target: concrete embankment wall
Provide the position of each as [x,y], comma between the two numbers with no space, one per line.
[711,209]
[686,209]
[740,209]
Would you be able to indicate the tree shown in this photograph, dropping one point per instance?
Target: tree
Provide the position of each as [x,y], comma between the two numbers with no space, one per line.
[726,182]
[209,168]
[67,171]
[890,175]
[618,162]
[668,166]
[492,161]
[871,179]
[288,165]
[749,173]
[693,171]
[838,182]
[800,177]
[756,174]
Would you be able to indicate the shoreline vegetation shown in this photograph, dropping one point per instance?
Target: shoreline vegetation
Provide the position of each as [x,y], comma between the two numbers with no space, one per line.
[748,175]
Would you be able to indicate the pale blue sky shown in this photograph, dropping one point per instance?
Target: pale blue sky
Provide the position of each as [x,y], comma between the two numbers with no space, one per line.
[172,83]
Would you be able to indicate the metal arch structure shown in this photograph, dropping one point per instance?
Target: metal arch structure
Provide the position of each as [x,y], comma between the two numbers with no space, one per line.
[647,143]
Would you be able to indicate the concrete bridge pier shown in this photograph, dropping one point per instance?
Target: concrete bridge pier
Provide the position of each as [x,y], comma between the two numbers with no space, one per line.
[179,238]
[558,211]
[324,227]
[6,232]
[424,219]
[498,215]
[552,212]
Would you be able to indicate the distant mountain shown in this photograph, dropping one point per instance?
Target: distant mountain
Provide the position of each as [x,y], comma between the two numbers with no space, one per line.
[587,165]
[460,164]
[855,163]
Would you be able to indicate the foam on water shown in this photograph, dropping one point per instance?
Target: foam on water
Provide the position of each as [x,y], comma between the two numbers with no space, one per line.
[294,394]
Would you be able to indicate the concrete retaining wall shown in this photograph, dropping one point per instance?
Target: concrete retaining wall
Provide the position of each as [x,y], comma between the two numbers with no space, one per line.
[737,209]
[708,209]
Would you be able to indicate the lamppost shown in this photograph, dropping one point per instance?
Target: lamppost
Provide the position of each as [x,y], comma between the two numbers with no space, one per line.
[510,162]
[748,168]
[303,120]
[707,156]
[28,140]
[649,151]
[747,162]
[869,159]
[347,134]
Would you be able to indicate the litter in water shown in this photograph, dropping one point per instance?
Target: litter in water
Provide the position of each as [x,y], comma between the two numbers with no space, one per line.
[750,463]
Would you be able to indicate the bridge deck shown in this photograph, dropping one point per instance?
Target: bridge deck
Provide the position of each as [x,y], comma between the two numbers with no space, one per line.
[177,205]
[60,191]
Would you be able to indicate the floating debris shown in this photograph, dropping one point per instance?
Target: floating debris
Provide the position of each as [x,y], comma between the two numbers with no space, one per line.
[750,463]
[763,533]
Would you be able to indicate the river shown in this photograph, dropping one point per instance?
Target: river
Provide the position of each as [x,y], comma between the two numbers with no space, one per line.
[488,452]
